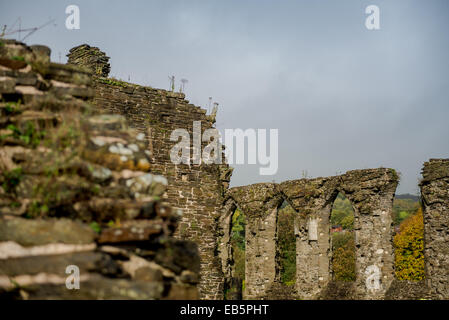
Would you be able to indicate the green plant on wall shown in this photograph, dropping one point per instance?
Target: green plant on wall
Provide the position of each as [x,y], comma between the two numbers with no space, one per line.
[11,179]
[18,58]
[37,209]
[95,226]
[12,108]
[238,242]
[238,224]
[29,135]
[99,70]
[238,229]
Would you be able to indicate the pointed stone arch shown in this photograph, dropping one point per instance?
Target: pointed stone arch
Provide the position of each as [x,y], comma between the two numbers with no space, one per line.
[259,203]
[224,241]
[371,193]
[312,199]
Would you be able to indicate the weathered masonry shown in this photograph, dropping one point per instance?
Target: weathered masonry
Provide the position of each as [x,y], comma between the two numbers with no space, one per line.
[196,189]
[201,191]
[371,193]
[76,190]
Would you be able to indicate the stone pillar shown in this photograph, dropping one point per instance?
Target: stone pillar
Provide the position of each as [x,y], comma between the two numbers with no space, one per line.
[260,264]
[312,253]
[435,198]
[259,203]
[312,199]
[371,193]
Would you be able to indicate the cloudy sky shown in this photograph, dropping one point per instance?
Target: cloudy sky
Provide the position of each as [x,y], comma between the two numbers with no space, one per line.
[342,97]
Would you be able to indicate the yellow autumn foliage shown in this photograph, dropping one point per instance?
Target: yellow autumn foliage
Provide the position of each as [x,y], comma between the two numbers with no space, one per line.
[409,245]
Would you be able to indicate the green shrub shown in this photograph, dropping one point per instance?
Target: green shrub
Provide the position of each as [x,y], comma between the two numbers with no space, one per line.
[11,179]
[29,135]
[95,226]
[343,258]
[409,248]
[287,244]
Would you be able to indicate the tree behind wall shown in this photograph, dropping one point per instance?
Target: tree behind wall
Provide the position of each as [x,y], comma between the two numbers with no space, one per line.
[343,242]
[287,244]
[409,245]
[236,284]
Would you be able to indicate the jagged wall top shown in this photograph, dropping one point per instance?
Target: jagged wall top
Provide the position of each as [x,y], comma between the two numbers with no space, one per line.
[90,57]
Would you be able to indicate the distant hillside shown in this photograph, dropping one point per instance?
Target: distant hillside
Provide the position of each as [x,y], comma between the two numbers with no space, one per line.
[407,196]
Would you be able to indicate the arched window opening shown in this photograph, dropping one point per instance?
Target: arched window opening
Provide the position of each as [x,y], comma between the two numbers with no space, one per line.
[286,244]
[408,238]
[236,285]
[342,239]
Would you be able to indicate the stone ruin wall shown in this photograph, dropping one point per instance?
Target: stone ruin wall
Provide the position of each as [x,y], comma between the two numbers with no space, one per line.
[196,189]
[76,189]
[371,193]
[202,193]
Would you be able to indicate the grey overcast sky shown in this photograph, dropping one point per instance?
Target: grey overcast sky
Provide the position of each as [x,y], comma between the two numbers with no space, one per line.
[342,97]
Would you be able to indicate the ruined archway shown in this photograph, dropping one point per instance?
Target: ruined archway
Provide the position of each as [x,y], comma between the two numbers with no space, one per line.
[234,285]
[371,194]
[224,244]
[342,240]
[259,202]
[286,245]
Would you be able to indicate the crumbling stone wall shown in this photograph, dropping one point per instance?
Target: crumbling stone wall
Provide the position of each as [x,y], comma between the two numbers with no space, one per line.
[68,167]
[312,199]
[408,290]
[76,189]
[259,202]
[196,189]
[200,190]
[435,199]
[370,191]
[91,58]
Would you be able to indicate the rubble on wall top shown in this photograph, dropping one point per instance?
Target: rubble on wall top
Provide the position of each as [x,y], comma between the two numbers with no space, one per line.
[90,57]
